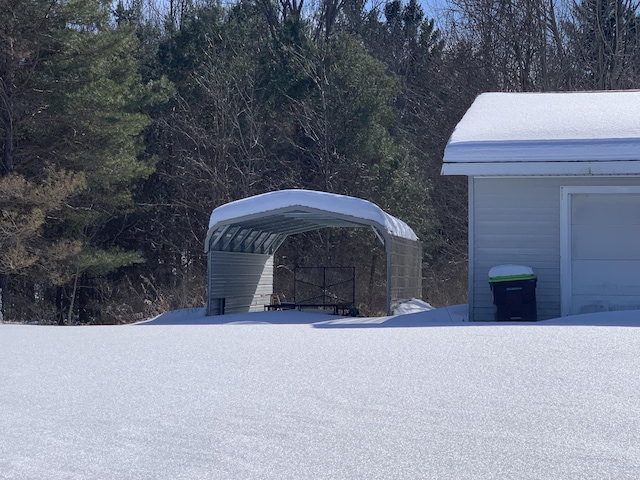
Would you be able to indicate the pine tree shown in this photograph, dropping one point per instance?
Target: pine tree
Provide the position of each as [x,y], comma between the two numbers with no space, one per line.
[72,115]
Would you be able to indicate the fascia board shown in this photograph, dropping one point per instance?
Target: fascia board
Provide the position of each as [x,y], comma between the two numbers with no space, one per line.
[598,168]
[543,150]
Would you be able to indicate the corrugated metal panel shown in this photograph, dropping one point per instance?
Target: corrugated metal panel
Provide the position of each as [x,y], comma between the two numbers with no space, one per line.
[517,220]
[405,270]
[243,280]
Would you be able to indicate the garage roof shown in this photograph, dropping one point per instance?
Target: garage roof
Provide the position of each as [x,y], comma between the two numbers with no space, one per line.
[260,224]
[573,133]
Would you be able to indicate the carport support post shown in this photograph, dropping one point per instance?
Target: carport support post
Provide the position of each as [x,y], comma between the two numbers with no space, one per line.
[387,248]
[386,241]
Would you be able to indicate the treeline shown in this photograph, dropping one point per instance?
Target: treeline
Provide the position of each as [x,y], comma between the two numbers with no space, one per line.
[124,124]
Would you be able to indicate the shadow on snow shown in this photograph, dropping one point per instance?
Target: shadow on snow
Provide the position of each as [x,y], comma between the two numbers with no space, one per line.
[456,315]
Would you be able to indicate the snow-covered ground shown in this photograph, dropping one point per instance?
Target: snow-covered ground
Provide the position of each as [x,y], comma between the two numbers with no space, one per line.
[291,395]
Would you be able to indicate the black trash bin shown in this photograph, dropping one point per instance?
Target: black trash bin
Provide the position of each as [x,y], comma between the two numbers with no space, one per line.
[514,293]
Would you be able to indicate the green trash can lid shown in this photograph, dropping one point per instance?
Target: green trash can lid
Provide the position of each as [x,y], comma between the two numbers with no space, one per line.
[508,273]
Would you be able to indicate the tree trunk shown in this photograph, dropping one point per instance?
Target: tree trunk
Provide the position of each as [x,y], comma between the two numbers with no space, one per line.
[72,298]
[6,165]
[62,305]
[3,283]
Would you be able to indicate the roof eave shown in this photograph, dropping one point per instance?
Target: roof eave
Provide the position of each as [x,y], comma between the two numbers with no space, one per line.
[595,168]
[317,219]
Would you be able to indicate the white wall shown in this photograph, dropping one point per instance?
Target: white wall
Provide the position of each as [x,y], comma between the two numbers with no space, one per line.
[517,220]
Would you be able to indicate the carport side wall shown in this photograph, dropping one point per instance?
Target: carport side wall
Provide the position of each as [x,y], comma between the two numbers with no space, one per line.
[405,270]
[238,282]
[517,220]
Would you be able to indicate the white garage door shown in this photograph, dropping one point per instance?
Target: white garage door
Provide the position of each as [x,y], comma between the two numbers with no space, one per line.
[605,252]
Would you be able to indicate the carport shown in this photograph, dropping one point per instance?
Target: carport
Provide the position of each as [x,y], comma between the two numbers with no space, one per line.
[244,235]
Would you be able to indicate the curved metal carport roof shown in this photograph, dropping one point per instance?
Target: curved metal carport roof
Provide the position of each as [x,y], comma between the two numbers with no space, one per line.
[259,225]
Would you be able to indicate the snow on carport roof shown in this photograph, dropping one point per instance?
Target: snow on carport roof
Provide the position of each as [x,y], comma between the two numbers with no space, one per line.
[567,130]
[252,208]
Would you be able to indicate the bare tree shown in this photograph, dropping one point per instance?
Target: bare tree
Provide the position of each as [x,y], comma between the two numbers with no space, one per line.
[604,38]
[518,42]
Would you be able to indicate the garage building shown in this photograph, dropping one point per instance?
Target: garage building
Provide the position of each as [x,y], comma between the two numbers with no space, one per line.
[554,184]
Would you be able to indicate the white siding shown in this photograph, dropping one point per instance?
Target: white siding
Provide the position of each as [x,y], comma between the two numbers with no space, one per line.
[517,221]
[244,281]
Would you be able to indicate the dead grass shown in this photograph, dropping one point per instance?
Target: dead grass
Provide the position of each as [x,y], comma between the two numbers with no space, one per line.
[445,283]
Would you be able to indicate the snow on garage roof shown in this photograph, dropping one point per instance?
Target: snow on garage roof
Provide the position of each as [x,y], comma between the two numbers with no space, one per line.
[547,133]
[320,208]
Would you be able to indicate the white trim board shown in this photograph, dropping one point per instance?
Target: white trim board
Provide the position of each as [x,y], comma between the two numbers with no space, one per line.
[471,229]
[565,233]
[542,168]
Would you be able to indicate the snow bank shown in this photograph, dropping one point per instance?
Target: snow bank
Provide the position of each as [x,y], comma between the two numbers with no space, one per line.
[412,306]
[289,401]
[181,397]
